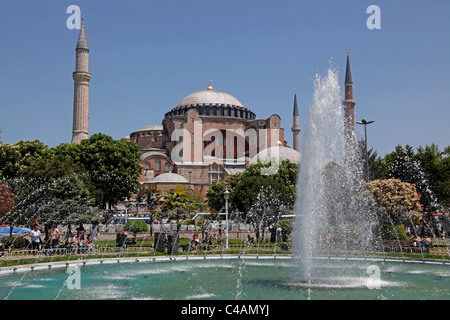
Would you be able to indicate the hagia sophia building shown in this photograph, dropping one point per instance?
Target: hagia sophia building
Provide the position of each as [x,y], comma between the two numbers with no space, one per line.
[209,135]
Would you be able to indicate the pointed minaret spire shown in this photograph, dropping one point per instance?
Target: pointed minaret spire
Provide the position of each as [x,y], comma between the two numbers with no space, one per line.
[348,72]
[81,78]
[82,39]
[295,104]
[349,107]
[296,127]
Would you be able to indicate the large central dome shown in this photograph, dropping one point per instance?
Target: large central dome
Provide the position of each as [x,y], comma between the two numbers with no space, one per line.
[210,97]
[212,103]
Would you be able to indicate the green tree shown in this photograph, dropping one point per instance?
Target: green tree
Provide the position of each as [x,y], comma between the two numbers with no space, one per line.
[153,199]
[178,205]
[65,200]
[113,167]
[245,186]
[215,195]
[15,159]
[53,166]
[426,169]
[400,164]
[436,171]
[244,194]
[266,211]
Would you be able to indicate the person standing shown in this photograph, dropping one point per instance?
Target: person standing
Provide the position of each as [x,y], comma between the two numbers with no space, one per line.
[80,231]
[35,239]
[55,236]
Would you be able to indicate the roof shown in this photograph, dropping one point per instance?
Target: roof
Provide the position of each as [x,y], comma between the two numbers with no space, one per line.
[278,152]
[170,177]
[155,127]
[152,153]
[207,97]
[232,171]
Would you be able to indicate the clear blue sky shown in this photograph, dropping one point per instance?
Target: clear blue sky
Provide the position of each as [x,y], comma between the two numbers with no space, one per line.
[146,56]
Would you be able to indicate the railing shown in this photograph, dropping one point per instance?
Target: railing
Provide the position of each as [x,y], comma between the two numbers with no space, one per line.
[408,246]
[388,247]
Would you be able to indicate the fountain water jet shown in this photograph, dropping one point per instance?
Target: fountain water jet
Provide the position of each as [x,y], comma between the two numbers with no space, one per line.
[329,201]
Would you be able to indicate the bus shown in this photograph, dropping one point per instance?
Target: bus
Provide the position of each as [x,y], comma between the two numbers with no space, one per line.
[208,216]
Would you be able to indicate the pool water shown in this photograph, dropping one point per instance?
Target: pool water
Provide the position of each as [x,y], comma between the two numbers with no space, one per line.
[230,279]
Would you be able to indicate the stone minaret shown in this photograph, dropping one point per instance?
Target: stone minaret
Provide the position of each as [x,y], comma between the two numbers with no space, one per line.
[81,78]
[349,106]
[296,128]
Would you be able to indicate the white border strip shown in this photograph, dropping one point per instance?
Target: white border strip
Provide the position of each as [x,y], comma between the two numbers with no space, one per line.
[65,264]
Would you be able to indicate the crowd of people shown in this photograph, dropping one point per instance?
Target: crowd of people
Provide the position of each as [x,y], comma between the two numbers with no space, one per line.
[207,240]
[421,243]
[78,240]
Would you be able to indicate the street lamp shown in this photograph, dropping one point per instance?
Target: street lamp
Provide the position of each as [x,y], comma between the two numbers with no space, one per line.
[364,122]
[126,202]
[226,196]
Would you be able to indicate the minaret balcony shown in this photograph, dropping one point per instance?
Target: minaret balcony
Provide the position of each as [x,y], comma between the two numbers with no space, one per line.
[81,76]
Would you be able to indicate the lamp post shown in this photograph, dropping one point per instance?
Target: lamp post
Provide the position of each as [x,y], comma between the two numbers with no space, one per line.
[126,202]
[226,196]
[364,122]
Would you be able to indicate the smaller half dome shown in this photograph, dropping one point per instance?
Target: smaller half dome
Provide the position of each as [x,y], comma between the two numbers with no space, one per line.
[171,178]
[278,153]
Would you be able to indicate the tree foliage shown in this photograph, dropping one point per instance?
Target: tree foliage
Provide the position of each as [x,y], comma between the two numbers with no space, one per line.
[70,182]
[244,187]
[65,200]
[266,211]
[113,167]
[178,205]
[15,159]
[136,226]
[428,170]
[399,199]
[7,202]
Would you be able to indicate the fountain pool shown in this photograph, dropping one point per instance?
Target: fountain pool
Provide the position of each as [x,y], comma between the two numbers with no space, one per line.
[227,278]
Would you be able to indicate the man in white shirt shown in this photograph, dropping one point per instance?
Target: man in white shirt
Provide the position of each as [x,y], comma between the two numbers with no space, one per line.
[35,238]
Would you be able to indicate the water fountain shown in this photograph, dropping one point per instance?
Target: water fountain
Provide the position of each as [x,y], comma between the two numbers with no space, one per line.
[330,207]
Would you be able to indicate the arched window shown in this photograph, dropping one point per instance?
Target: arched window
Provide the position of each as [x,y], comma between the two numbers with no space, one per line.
[215,172]
[167,167]
[157,164]
[148,166]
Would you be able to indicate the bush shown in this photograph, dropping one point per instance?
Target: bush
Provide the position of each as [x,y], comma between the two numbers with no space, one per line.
[14,242]
[136,226]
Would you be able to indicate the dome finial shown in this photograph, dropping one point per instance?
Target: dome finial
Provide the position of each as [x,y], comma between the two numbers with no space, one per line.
[210,87]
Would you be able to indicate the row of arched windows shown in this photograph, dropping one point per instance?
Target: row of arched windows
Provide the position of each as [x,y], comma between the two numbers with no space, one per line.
[157,166]
[226,111]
